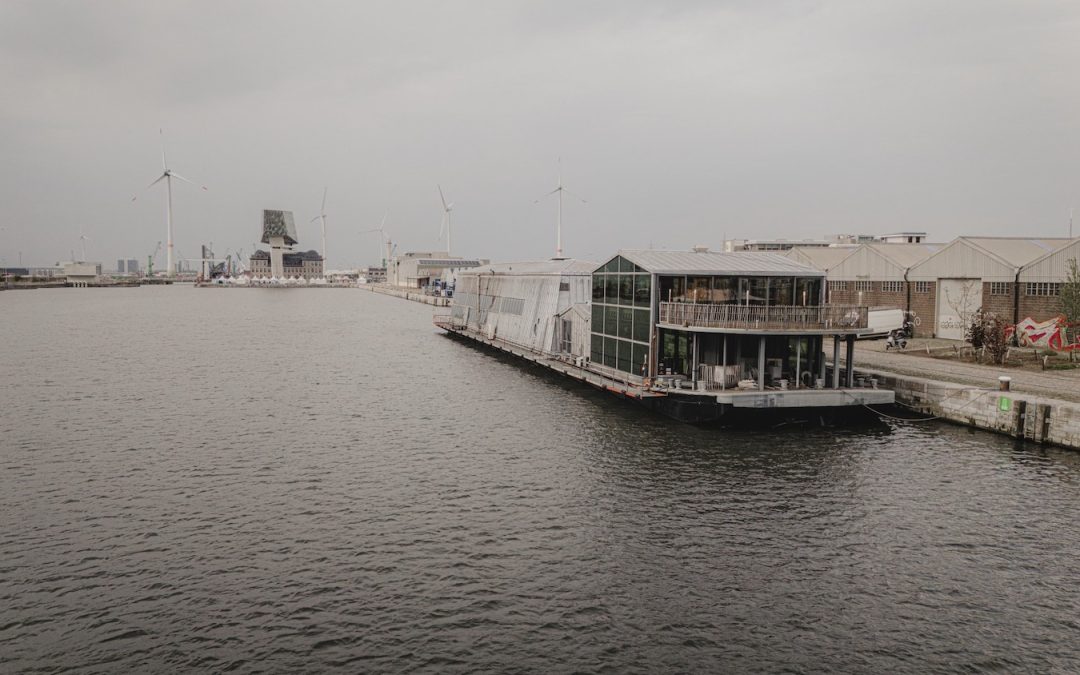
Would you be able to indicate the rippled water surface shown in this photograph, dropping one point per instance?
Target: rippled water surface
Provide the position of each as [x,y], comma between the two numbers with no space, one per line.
[315,480]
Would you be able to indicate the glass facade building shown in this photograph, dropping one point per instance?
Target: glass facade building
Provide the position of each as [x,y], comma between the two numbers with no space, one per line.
[621,316]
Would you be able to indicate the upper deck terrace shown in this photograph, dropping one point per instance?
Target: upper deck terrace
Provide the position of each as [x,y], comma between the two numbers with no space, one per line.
[758,319]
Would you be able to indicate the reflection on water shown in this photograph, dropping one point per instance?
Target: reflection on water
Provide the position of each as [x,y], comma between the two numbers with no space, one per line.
[315,480]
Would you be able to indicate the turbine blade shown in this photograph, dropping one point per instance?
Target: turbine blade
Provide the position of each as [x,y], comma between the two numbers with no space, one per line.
[164,163]
[580,199]
[443,199]
[176,175]
[159,179]
[314,219]
[323,211]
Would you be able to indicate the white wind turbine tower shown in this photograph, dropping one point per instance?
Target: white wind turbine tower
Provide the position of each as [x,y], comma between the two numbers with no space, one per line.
[322,217]
[447,208]
[384,239]
[559,190]
[83,238]
[167,176]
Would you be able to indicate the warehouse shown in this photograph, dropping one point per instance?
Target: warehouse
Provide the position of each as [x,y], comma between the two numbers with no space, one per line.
[972,273]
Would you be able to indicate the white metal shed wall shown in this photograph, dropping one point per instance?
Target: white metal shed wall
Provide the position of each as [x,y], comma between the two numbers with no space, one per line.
[1053,267]
[541,302]
[961,260]
[866,263]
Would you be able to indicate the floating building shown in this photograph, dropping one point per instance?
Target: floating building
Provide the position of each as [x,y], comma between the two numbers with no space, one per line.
[693,334]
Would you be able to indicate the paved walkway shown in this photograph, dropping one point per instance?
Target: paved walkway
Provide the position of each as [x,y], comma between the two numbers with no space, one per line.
[1062,384]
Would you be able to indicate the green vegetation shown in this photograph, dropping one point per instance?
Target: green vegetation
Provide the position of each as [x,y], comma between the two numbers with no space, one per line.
[1070,293]
[987,334]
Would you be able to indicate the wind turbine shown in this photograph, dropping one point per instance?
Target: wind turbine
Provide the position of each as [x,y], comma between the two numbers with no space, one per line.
[322,217]
[83,238]
[447,208]
[385,239]
[167,176]
[559,190]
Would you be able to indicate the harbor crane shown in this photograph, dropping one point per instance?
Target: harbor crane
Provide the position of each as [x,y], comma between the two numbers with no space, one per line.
[150,259]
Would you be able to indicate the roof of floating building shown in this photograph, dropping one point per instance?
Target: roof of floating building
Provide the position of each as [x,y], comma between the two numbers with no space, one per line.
[555,266]
[279,224]
[708,263]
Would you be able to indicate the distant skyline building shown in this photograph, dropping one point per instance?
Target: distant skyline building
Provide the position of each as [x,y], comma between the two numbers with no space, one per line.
[733,245]
[279,231]
[281,262]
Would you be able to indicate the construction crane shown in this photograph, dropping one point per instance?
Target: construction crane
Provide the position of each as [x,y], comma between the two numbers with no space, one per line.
[150,260]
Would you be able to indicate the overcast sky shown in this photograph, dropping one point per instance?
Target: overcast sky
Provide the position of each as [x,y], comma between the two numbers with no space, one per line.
[678,125]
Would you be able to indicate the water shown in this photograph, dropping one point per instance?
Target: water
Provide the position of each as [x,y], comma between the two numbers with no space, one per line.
[314,480]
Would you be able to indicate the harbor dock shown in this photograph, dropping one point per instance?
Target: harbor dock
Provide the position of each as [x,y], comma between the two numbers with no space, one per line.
[413,294]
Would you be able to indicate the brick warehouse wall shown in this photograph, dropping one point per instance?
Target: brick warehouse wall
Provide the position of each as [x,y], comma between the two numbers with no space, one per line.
[1002,305]
[1039,307]
[875,297]
[924,305]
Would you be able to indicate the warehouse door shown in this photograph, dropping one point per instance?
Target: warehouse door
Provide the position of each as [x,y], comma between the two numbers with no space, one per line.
[957,302]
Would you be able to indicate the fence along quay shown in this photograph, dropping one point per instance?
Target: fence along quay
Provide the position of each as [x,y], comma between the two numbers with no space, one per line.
[699,336]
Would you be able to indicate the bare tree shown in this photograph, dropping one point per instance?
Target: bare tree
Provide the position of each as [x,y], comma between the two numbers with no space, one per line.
[1070,293]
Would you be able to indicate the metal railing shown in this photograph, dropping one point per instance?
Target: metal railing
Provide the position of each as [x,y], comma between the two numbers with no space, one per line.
[756,317]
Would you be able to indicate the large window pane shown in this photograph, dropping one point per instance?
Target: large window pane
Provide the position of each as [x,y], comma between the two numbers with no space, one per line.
[641,290]
[625,356]
[626,289]
[640,353]
[609,352]
[641,325]
[611,286]
[597,319]
[753,290]
[672,289]
[598,288]
[597,353]
[626,322]
[698,289]
[781,291]
[611,321]
[613,265]
[723,290]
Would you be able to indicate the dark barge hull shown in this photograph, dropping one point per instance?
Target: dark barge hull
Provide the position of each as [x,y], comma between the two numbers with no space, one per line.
[689,408]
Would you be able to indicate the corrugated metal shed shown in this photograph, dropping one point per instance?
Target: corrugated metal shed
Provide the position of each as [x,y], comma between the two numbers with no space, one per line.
[823,258]
[986,258]
[520,302]
[693,262]
[1054,266]
[881,261]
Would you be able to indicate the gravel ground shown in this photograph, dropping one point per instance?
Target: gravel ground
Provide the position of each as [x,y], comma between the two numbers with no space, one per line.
[1062,384]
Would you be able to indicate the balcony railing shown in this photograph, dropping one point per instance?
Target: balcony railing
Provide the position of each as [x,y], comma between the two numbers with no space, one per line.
[755,317]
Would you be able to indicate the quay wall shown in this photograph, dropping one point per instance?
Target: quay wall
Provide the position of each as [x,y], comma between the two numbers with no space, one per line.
[1017,414]
[413,294]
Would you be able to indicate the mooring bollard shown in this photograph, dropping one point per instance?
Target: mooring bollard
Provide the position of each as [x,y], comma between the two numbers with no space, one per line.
[1003,382]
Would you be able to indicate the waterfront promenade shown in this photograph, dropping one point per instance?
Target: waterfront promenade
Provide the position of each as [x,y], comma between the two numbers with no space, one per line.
[1058,384]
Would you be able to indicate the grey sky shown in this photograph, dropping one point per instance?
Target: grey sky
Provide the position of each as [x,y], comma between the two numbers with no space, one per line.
[677,124]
